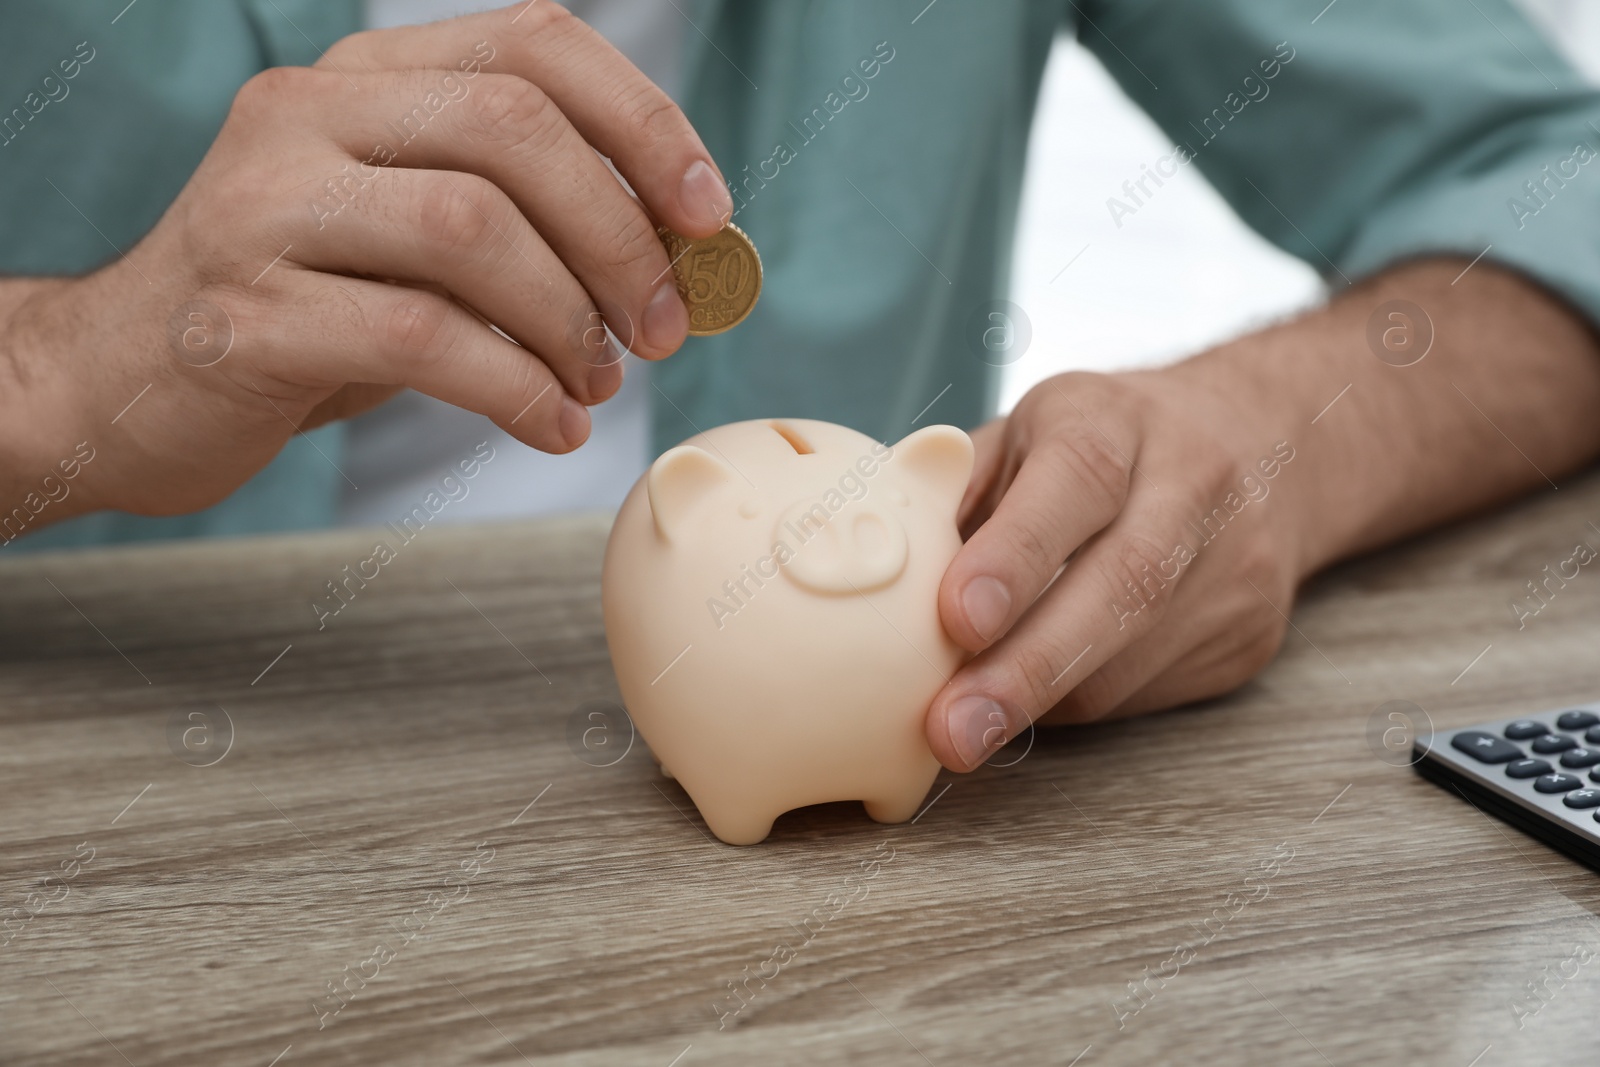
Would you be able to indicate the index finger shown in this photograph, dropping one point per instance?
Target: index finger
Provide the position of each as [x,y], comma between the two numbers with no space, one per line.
[1068,488]
[621,113]
[1111,595]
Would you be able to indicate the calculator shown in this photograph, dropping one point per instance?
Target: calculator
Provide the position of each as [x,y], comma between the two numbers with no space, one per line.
[1540,774]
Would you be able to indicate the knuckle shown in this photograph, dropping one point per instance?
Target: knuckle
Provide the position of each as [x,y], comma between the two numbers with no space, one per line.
[457,215]
[1026,542]
[510,110]
[1088,457]
[540,20]
[1034,666]
[1074,392]
[417,326]
[634,246]
[351,49]
[650,119]
[270,89]
[1136,562]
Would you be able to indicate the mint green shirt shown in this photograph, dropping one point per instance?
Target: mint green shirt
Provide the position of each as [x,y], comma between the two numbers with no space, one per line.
[876,152]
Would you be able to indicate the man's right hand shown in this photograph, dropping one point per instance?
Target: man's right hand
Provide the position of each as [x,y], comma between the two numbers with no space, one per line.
[352,231]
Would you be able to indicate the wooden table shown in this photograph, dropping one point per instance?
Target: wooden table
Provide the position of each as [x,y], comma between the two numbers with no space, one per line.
[415,776]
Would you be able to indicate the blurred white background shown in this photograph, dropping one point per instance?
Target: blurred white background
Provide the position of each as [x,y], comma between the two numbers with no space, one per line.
[1182,274]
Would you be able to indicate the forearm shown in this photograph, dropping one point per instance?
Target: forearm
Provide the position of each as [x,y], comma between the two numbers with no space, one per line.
[1507,400]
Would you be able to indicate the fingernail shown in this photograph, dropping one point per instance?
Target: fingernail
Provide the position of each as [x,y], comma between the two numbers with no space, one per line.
[987,603]
[702,195]
[666,320]
[574,423]
[978,728]
[605,380]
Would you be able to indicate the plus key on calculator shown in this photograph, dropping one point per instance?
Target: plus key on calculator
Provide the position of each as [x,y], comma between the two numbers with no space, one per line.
[1540,774]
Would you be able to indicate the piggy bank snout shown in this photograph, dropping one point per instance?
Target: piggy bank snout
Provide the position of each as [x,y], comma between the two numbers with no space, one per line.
[860,547]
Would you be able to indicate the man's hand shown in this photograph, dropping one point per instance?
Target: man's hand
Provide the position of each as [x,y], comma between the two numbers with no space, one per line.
[1189,503]
[1180,563]
[354,229]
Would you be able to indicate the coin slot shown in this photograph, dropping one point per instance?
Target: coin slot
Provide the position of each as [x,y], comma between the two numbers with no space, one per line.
[801,446]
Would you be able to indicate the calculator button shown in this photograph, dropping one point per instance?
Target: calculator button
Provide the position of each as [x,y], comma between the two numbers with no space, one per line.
[1553,743]
[1580,757]
[1577,720]
[1521,731]
[1582,798]
[1529,768]
[1556,783]
[1485,748]
[1593,736]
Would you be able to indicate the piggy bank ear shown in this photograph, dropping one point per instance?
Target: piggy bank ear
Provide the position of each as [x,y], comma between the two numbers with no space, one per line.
[939,457]
[678,483]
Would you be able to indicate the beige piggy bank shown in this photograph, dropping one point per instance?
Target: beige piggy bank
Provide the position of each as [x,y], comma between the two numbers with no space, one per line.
[771,604]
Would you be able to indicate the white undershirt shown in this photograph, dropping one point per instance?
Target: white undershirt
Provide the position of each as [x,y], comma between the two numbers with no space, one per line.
[398,452]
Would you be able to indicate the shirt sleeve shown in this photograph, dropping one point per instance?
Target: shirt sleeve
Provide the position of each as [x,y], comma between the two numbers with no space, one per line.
[1358,133]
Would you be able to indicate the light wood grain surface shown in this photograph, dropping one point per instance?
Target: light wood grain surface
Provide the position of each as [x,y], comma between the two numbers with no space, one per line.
[414,776]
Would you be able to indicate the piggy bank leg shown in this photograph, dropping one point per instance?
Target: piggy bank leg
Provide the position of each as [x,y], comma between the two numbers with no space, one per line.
[738,826]
[898,808]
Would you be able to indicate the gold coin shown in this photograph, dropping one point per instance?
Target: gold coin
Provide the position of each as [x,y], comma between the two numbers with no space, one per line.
[719,277]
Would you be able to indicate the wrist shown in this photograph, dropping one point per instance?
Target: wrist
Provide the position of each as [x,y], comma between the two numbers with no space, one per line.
[1389,446]
[45,448]
[1269,396]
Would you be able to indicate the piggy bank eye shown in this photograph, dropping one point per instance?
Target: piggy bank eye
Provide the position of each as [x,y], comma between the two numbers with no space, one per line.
[749,509]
